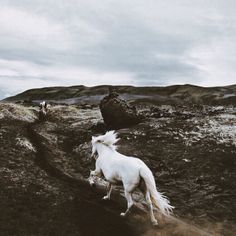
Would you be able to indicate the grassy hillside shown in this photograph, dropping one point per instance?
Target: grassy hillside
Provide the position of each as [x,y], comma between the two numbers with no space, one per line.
[176,94]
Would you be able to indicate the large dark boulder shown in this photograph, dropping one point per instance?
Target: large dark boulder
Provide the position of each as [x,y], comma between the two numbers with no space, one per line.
[117,113]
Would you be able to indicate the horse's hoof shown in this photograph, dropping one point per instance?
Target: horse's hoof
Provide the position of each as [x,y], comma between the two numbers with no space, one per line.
[91,182]
[154,222]
[122,214]
[105,198]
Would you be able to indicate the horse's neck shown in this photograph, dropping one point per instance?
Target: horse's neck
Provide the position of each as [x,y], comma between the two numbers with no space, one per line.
[103,150]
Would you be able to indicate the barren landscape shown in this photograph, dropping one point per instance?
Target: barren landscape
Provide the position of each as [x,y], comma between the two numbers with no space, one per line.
[44,165]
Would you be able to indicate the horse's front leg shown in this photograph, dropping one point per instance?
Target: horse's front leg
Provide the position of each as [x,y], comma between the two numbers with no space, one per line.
[97,172]
[107,197]
[94,173]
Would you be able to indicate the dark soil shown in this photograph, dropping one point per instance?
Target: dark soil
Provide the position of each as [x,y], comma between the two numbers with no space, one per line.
[44,189]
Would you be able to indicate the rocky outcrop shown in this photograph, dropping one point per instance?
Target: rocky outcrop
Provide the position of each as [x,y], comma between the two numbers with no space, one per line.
[117,113]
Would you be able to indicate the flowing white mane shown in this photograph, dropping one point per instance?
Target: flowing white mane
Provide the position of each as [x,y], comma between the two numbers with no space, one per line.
[109,139]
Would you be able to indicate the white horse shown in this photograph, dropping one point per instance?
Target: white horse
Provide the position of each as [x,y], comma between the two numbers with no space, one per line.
[130,171]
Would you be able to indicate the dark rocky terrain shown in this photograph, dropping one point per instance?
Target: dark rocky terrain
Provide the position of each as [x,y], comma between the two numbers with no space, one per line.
[44,166]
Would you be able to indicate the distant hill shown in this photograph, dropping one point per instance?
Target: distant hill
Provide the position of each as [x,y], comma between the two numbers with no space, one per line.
[176,94]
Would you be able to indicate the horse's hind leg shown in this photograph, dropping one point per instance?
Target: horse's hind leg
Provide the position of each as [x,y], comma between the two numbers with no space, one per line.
[107,197]
[130,203]
[149,202]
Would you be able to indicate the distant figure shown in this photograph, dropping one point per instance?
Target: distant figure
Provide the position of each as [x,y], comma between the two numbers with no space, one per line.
[132,172]
[43,105]
[43,109]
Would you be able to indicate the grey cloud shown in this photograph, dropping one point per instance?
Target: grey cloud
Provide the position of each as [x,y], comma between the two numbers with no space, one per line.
[157,42]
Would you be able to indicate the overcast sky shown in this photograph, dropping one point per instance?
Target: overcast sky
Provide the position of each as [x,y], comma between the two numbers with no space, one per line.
[136,42]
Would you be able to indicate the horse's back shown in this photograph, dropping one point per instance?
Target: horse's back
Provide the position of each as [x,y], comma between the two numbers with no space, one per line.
[122,168]
[129,168]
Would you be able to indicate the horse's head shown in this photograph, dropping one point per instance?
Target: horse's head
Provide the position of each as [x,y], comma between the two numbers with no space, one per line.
[109,139]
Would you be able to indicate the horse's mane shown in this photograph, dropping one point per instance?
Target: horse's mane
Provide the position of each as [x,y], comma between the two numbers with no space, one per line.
[109,139]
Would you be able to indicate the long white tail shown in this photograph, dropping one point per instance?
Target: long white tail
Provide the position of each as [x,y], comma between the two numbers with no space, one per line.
[158,199]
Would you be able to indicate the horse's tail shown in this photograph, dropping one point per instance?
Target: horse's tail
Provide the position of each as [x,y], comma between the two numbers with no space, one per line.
[158,199]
